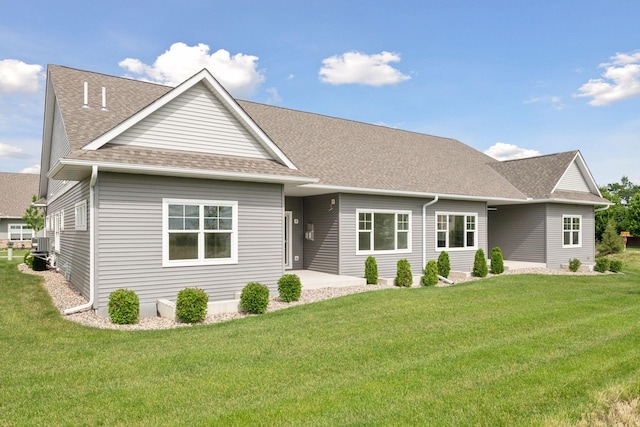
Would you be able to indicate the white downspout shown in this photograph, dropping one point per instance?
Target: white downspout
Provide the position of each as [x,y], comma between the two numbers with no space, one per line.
[424,229]
[88,305]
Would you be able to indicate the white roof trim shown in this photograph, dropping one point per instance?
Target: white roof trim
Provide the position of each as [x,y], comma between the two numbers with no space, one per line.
[181,172]
[219,92]
[586,173]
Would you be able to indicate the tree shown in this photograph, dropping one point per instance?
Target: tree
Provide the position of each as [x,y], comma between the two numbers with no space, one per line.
[626,189]
[612,242]
[633,216]
[34,216]
[616,212]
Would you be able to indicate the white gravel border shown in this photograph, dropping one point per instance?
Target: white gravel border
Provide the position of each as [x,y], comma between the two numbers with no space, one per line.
[64,297]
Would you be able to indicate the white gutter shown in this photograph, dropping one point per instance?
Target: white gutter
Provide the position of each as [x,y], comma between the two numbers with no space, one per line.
[424,229]
[88,305]
[602,209]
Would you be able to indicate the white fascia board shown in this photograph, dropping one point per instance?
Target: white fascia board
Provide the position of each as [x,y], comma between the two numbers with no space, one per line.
[218,91]
[183,172]
[47,136]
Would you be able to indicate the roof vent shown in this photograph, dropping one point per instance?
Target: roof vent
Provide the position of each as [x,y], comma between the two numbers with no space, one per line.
[104,99]
[86,95]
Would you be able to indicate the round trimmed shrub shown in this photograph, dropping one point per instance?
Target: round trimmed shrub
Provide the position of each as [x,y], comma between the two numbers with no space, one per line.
[289,287]
[574,264]
[254,298]
[191,306]
[430,277]
[124,307]
[444,264]
[602,265]
[615,266]
[404,278]
[497,261]
[480,264]
[371,270]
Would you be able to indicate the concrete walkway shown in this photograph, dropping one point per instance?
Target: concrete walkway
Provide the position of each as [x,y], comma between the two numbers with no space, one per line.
[314,279]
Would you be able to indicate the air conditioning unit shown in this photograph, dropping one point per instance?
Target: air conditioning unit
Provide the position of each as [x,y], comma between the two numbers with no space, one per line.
[40,245]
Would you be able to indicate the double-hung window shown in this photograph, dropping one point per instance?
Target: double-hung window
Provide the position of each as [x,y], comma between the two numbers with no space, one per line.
[20,232]
[199,232]
[456,231]
[383,231]
[571,231]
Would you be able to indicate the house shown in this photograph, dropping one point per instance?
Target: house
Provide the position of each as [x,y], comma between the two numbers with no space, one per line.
[156,188]
[16,191]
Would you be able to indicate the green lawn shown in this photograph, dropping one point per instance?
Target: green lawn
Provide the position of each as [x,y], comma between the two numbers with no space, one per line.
[512,350]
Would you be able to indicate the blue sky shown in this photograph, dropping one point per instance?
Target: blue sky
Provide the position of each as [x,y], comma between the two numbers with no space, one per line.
[506,77]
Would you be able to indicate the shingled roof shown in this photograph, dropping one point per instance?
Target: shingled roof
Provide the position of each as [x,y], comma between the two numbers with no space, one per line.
[16,191]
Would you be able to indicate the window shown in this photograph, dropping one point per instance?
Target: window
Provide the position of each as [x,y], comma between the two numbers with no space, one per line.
[20,232]
[571,231]
[81,215]
[456,231]
[199,232]
[383,231]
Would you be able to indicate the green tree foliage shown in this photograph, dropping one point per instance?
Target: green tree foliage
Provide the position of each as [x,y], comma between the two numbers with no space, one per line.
[430,277]
[611,242]
[404,277]
[480,264]
[371,270]
[633,216]
[625,189]
[444,264]
[497,261]
[622,195]
[34,216]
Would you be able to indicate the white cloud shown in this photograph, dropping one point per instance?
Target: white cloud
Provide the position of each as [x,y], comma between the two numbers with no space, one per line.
[503,151]
[274,96]
[620,80]
[237,73]
[554,101]
[9,151]
[360,68]
[31,169]
[17,76]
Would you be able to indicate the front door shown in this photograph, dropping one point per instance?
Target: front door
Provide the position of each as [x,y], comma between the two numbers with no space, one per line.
[288,250]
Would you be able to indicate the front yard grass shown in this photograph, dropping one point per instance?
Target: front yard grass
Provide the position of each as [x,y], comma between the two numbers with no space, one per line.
[510,350]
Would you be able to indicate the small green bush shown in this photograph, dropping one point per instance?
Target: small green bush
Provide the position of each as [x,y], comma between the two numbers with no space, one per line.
[371,271]
[497,261]
[124,307]
[404,278]
[480,264]
[602,265]
[289,287]
[612,242]
[430,277]
[615,266]
[444,264]
[254,298]
[28,259]
[574,264]
[191,306]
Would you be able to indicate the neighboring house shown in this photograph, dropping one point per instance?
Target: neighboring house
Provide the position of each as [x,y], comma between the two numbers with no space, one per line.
[16,192]
[155,189]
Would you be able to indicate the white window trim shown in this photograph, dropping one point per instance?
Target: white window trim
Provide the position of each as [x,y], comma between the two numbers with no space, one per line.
[81,215]
[447,248]
[22,228]
[579,244]
[384,211]
[201,260]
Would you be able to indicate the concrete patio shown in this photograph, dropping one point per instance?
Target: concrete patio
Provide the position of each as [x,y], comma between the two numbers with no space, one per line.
[316,280]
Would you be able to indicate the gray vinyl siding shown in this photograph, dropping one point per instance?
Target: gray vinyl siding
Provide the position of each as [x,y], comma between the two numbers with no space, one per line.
[130,237]
[353,264]
[73,256]
[573,180]
[461,260]
[294,205]
[59,148]
[322,254]
[519,231]
[556,254]
[195,121]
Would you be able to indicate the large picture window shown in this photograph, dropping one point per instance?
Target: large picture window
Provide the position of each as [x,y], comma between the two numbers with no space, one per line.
[199,232]
[20,232]
[383,231]
[456,231]
[571,231]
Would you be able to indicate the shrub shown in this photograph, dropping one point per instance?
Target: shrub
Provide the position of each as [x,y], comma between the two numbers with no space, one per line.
[574,264]
[289,287]
[612,242]
[404,278]
[480,264]
[124,307]
[430,277]
[497,261]
[191,306]
[444,265]
[371,271]
[602,265]
[28,259]
[615,266]
[254,298]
